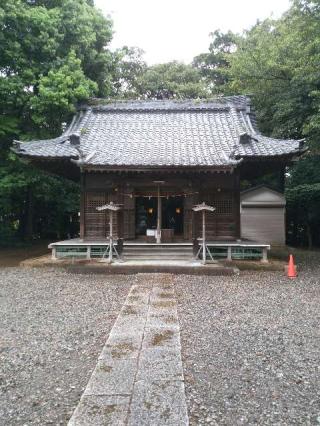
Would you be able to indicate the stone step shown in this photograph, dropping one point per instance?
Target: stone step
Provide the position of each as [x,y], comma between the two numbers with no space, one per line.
[158,246]
[157,258]
[157,254]
[158,251]
[125,250]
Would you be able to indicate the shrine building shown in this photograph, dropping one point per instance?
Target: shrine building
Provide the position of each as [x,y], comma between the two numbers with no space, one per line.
[156,160]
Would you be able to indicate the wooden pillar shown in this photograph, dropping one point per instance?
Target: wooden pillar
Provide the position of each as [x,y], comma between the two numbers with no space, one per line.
[188,216]
[111,235]
[204,251]
[82,204]
[159,214]
[194,229]
[236,198]
[129,214]
[119,222]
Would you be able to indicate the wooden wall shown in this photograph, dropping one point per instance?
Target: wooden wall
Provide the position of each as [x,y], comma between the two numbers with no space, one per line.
[220,190]
[96,222]
[222,193]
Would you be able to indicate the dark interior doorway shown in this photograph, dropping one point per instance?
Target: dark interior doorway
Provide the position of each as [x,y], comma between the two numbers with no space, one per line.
[172,214]
[146,214]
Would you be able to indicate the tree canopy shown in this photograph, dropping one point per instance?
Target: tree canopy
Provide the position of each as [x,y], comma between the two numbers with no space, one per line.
[277,63]
[171,80]
[53,54]
[133,79]
[214,65]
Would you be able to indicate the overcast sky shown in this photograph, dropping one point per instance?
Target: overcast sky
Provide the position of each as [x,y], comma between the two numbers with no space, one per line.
[179,29]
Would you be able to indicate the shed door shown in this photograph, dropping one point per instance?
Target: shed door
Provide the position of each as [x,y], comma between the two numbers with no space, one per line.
[263,224]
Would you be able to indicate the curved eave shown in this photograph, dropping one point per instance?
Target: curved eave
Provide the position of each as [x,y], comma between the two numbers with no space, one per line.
[277,157]
[60,166]
[32,157]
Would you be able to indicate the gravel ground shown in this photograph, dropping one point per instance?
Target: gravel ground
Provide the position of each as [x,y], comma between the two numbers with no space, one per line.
[52,328]
[251,343]
[251,347]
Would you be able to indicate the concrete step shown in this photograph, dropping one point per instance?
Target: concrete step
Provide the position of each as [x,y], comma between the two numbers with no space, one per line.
[157,247]
[155,258]
[157,253]
[154,250]
[145,247]
[160,252]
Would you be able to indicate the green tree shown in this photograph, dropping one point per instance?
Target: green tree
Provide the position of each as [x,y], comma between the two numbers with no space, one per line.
[214,65]
[59,92]
[277,63]
[171,80]
[303,202]
[36,40]
[128,68]
[53,55]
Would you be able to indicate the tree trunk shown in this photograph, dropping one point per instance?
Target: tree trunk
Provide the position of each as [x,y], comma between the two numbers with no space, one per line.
[282,179]
[309,236]
[28,231]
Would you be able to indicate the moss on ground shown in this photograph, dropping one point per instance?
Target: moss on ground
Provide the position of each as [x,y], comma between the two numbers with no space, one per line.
[159,338]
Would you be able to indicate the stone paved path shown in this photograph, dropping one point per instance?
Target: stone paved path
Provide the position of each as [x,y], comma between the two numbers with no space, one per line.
[139,379]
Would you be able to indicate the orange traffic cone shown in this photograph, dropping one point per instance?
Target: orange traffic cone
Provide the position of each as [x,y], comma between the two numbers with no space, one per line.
[292,273]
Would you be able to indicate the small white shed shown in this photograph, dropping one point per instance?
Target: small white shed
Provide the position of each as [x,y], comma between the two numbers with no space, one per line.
[263,215]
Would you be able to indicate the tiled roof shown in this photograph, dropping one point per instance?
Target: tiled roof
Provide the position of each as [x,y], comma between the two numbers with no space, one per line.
[164,133]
